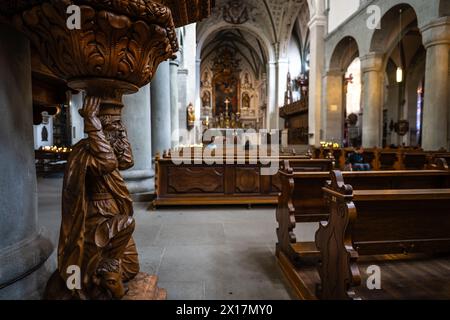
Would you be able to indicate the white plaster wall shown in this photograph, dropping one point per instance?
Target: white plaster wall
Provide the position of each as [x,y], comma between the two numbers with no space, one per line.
[77,124]
[37,130]
[339,11]
[190,63]
[295,62]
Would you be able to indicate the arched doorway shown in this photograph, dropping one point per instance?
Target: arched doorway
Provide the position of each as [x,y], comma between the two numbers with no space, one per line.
[404,72]
[343,94]
[352,104]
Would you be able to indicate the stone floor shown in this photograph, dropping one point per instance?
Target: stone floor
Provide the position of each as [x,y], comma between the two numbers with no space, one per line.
[198,253]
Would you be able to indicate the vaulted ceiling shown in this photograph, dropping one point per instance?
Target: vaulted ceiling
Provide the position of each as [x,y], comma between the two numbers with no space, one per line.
[247,46]
[270,21]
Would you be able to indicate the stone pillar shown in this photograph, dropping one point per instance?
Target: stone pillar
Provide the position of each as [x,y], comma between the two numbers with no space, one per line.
[317,27]
[436,39]
[371,67]
[333,102]
[282,71]
[198,77]
[77,123]
[392,104]
[160,109]
[174,103]
[182,97]
[272,112]
[24,250]
[136,118]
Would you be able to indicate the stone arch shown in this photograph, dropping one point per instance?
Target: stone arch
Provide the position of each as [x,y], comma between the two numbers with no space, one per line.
[383,41]
[344,53]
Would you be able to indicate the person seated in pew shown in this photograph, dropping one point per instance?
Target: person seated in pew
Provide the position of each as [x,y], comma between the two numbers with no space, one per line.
[212,145]
[356,161]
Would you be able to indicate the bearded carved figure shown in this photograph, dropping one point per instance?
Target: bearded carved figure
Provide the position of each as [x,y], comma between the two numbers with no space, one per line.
[116,50]
[97,211]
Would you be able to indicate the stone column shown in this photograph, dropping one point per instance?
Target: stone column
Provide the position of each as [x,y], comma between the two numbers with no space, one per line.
[392,92]
[371,67]
[160,110]
[198,77]
[182,97]
[333,102]
[317,27]
[24,250]
[174,103]
[77,123]
[282,71]
[436,39]
[272,112]
[136,118]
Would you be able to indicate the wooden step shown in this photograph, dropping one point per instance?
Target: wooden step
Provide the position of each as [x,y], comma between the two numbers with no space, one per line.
[305,249]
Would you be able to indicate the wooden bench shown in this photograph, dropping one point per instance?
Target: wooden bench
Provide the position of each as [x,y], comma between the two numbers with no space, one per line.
[235,182]
[376,222]
[48,163]
[302,200]
[385,158]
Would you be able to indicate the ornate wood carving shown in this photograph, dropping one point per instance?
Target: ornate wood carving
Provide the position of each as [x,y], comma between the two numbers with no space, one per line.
[195,180]
[247,180]
[337,267]
[116,51]
[118,40]
[188,11]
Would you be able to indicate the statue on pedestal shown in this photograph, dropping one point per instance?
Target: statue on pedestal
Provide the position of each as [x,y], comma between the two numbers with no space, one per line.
[190,116]
[116,51]
[97,223]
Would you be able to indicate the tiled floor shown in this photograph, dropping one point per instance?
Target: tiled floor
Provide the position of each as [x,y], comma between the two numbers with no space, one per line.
[198,253]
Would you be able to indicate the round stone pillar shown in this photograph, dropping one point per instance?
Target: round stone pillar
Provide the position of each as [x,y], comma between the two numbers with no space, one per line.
[317,27]
[77,124]
[160,109]
[436,117]
[371,66]
[136,118]
[24,250]
[334,127]
[174,116]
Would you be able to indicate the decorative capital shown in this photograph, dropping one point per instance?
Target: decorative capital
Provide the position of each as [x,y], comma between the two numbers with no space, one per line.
[436,32]
[120,40]
[372,62]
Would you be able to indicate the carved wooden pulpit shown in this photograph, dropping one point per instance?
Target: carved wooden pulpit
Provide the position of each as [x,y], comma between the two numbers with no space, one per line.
[116,50]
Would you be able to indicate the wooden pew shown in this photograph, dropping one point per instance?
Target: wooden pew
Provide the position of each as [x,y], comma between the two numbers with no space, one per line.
[236,182]
[48,163]
[301,200]
[439,155]
[376,222]
[385,159]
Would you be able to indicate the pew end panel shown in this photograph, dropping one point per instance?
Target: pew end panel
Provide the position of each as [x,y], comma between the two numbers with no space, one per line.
[291,209]
[376,222]
[337,265]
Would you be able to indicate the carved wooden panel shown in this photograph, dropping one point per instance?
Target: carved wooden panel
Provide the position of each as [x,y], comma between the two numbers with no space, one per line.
[247,180]
[195,180]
